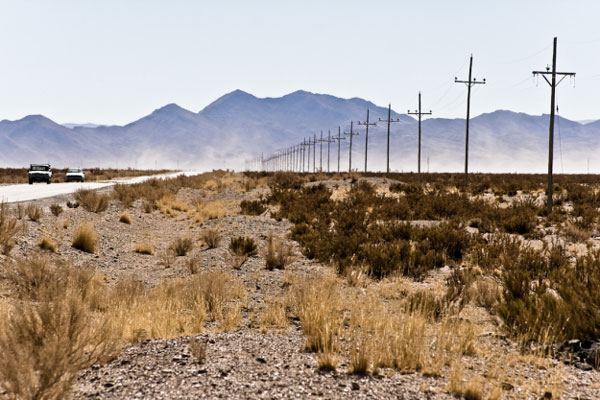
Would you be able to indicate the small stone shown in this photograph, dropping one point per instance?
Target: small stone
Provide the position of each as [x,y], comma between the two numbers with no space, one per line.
[355,386]
[261,360]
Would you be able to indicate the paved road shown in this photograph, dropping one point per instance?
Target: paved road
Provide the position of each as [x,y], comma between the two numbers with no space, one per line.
[25,192]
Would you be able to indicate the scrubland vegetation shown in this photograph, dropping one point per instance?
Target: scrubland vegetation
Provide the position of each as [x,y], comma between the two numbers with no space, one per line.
[475,285]
[19,175]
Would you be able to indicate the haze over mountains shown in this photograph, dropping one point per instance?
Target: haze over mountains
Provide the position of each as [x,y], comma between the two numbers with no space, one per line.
[239,126]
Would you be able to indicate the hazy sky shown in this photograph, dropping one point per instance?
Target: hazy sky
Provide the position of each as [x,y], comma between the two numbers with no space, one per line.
[112,62]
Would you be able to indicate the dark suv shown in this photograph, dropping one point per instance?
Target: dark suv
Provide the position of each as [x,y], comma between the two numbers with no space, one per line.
[40,173]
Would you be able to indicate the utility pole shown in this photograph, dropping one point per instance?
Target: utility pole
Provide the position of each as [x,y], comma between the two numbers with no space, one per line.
[351,133]
[470,83]
[321,154]
[553,84]
[329,141]
[303,152]
[308,158]
[389,120]
[419,113]
[366,124]
[314,153]
[339,140]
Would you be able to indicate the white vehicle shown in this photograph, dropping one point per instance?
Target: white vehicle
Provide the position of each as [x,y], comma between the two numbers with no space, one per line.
[75,175]
[40,173]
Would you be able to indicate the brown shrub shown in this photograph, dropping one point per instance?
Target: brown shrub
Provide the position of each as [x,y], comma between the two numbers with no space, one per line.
[212,238]
[125,218]
[85,237]
[181,246]
[8,228]
[278,254]
[34,212]
[144,247]
[91,200]
[47,244]
[56,209]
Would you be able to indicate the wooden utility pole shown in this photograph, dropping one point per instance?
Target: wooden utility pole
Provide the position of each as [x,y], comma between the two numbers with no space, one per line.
[314,152]
[304,153]
[419,113]
[470,83]
[321,153]
[366,124]
[389,121]
[351,133]
[339,140]
[329,141]
[553,84]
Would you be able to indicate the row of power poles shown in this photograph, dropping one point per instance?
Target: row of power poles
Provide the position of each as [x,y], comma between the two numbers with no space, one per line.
[297,157]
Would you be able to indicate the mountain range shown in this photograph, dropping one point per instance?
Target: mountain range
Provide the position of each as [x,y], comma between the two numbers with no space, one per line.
[239,126]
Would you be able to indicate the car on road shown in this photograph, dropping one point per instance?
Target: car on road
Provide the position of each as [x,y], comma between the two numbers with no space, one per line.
[75,175]
[40,173]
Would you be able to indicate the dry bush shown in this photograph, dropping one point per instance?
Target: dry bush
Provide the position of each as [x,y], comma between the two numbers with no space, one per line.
[20,211]
[85,237]
[52,332]
[193,265]
[181,246]
[91,200]
[238,260]
[8,228]
[198,350]
[47,244]
[167,257]
[242,246]
[148,206]
[126,194]
[144,247]
[34,212]
[575,233]
[274,314]
[252,207]
[230,318]
[327,362]
[207,210]
[170,207]
[177,307]
[317,302]
[56,209]
[125,218]
[211,237]
[278,254]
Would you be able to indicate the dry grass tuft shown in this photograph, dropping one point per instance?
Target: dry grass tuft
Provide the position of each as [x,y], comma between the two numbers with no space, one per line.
[211,237]
[125,218]
[167,257]
[181,246]
[144,247]
[193,265]
[327,362]
[274,314]
[34,212]
[278,254]
[47,244]
[8,228]
[85,237]
[207,210]
[242,246]
[91,200]
[56,209]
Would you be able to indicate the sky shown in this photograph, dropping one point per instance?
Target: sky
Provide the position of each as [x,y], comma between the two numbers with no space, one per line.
[112,62]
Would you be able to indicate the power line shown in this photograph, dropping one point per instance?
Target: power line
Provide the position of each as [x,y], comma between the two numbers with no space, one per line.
[553,84]
[469,83]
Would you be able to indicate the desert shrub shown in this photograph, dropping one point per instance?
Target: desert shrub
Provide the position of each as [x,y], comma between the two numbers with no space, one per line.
[125,218]
[8,228]
[85,238]
[181,246]
[198,350]
[242,246]
[91,200]
[52,331]
[193,265]
[34,212]
[278,254]
[212,238]
[20,211]
[144,247]
[519,218]
[252,207]
[126,194]
[56,209]
[47,244]
[167,257]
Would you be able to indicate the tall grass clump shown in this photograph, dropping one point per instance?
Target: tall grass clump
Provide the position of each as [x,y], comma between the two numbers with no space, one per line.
[181,246]
[9,227]
[85,237]
[243,246]
[91,200]
[278,254]
[252,207]
[34,212]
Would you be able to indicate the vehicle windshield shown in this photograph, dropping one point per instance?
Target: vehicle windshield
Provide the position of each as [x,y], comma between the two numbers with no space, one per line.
[39,168]
[74,170]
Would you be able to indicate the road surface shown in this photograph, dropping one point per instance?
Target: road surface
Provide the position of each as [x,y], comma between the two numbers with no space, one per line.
[26,192]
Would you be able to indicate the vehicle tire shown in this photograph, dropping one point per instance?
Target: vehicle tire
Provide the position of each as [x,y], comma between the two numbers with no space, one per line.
[48,181]
[30,182]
